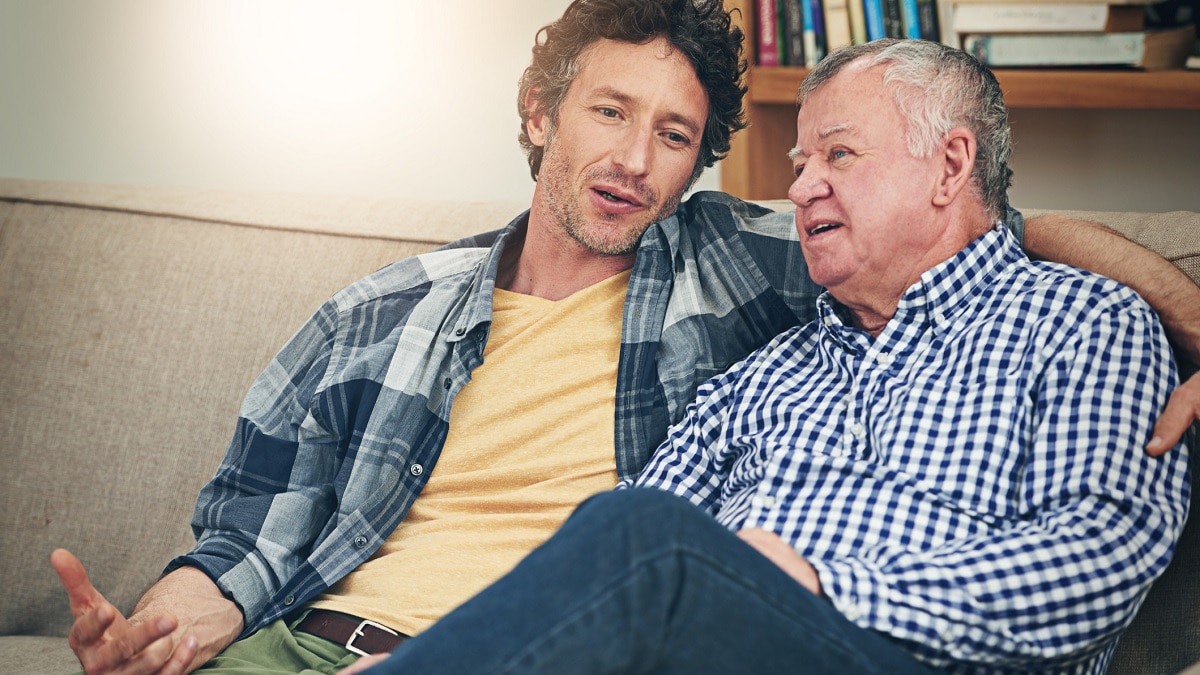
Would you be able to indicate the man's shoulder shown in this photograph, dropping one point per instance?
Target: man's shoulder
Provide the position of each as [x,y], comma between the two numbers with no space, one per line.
[1063,289]
[705,209]
[449,269]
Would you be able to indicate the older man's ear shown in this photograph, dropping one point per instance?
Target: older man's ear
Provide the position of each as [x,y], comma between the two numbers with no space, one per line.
[958,151]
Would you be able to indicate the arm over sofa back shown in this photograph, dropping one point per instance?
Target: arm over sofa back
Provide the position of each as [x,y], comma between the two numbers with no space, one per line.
[132,322]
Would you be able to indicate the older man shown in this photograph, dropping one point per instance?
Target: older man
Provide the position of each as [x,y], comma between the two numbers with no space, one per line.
[944,469]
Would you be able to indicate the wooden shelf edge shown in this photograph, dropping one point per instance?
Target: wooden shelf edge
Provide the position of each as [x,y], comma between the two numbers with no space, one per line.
[1114,89]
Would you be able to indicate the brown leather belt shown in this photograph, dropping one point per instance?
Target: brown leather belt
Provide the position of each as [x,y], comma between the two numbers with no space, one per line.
[361,636]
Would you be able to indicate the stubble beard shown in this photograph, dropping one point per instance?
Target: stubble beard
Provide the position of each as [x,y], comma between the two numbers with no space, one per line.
[563,201]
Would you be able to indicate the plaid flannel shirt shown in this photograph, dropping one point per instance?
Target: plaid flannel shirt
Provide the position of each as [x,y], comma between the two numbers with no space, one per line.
[971,482]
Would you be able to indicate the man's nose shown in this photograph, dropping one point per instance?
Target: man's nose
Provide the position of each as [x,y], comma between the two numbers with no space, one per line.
[636,151]
[810,185]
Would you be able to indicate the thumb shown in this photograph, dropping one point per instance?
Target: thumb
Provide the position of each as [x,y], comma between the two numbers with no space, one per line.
[74,578]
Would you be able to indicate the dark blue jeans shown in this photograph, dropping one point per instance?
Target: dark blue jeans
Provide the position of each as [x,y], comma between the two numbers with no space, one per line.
[640,581]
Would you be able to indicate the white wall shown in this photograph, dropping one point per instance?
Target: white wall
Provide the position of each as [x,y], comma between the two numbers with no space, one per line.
[1106,160]
[379,97]
[398,98]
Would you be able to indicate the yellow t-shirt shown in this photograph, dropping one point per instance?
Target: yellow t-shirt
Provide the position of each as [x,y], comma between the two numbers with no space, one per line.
[531,436]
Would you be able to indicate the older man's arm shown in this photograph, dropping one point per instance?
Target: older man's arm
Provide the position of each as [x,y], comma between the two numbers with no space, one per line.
[1169,291]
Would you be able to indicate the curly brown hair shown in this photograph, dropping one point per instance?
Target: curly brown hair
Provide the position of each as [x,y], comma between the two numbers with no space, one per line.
[700,29]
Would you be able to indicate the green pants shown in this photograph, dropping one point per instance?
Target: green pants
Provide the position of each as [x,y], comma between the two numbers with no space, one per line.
[276,649]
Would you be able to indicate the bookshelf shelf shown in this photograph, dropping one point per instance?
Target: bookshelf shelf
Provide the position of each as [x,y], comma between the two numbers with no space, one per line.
[757,168]
[1124,89]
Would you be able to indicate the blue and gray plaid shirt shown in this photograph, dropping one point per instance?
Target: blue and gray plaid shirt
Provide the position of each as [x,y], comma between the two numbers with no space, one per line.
[339,434]
[971,482]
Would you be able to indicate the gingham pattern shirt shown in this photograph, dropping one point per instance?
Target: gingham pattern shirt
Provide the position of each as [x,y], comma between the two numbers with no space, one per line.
[971,482]
[339,434]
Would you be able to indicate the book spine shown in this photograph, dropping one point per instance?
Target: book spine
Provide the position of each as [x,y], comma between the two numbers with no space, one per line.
[837,25]
[1052,18]
[873,11]
[927,14]
[818,7]
[794,29]
[1056,50]
[908,16]
[858,22]
[767,35]
[893,25]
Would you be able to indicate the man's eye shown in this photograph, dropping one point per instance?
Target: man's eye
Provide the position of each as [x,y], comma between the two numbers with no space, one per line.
[798,169]
[839,154]
[609,112]
[679,139]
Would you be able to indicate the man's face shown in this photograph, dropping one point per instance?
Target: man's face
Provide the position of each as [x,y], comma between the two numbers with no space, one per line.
[624,146]
[863,203]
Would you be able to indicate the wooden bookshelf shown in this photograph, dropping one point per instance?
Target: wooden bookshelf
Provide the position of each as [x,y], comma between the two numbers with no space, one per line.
[757,167]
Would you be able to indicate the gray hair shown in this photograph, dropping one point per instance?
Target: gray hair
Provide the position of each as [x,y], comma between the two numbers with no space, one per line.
[937,88]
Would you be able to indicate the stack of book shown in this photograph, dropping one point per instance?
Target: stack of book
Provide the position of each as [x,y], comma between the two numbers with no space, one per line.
[1031,33]
[802,32]
[1018,33]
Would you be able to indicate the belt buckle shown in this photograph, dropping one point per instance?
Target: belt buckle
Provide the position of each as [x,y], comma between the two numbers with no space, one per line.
[358,632]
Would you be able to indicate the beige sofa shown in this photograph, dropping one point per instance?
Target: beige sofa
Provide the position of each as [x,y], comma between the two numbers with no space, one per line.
[132,320]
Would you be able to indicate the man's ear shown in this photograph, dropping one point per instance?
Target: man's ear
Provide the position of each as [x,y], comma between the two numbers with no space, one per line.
[536,126]
[958,164]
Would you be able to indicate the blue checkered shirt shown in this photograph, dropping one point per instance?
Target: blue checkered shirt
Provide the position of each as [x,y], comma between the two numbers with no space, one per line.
[971,482]
[337,437]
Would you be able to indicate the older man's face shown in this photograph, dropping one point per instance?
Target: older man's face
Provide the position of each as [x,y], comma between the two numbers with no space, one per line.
[863,203]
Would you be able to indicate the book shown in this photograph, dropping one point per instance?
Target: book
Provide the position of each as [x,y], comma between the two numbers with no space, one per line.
[837,24]
[1060,2]
[793,31]
[858,22]
[767,37]
[908,19]
[893,24]
[1024,17]
[1149,50]
[927,13]
[873,11]
[814,32]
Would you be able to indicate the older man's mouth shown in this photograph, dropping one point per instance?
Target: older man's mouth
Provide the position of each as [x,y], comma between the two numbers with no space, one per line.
[821,228]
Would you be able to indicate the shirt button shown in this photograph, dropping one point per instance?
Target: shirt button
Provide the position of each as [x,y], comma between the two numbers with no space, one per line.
[843,405]
[883,359]
[416,469]
[289,600]
[447,383]
[360,541]
[857,430]
[460,332]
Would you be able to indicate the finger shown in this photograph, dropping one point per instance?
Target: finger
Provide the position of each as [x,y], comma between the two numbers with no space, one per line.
[1183,408]
[132,641]
[127,648]
[89,628]
[181,658]
[151,659]
[74,578]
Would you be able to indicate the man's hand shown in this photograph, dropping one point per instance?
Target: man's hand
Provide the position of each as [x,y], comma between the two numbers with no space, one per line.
[1183,408]
[107,642]
[784,556]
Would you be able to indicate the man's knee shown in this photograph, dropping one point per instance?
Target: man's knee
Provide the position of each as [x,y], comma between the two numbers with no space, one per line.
[640,510]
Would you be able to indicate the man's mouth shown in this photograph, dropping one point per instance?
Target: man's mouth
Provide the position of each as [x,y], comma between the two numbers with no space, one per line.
[618,197]
[822,228]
